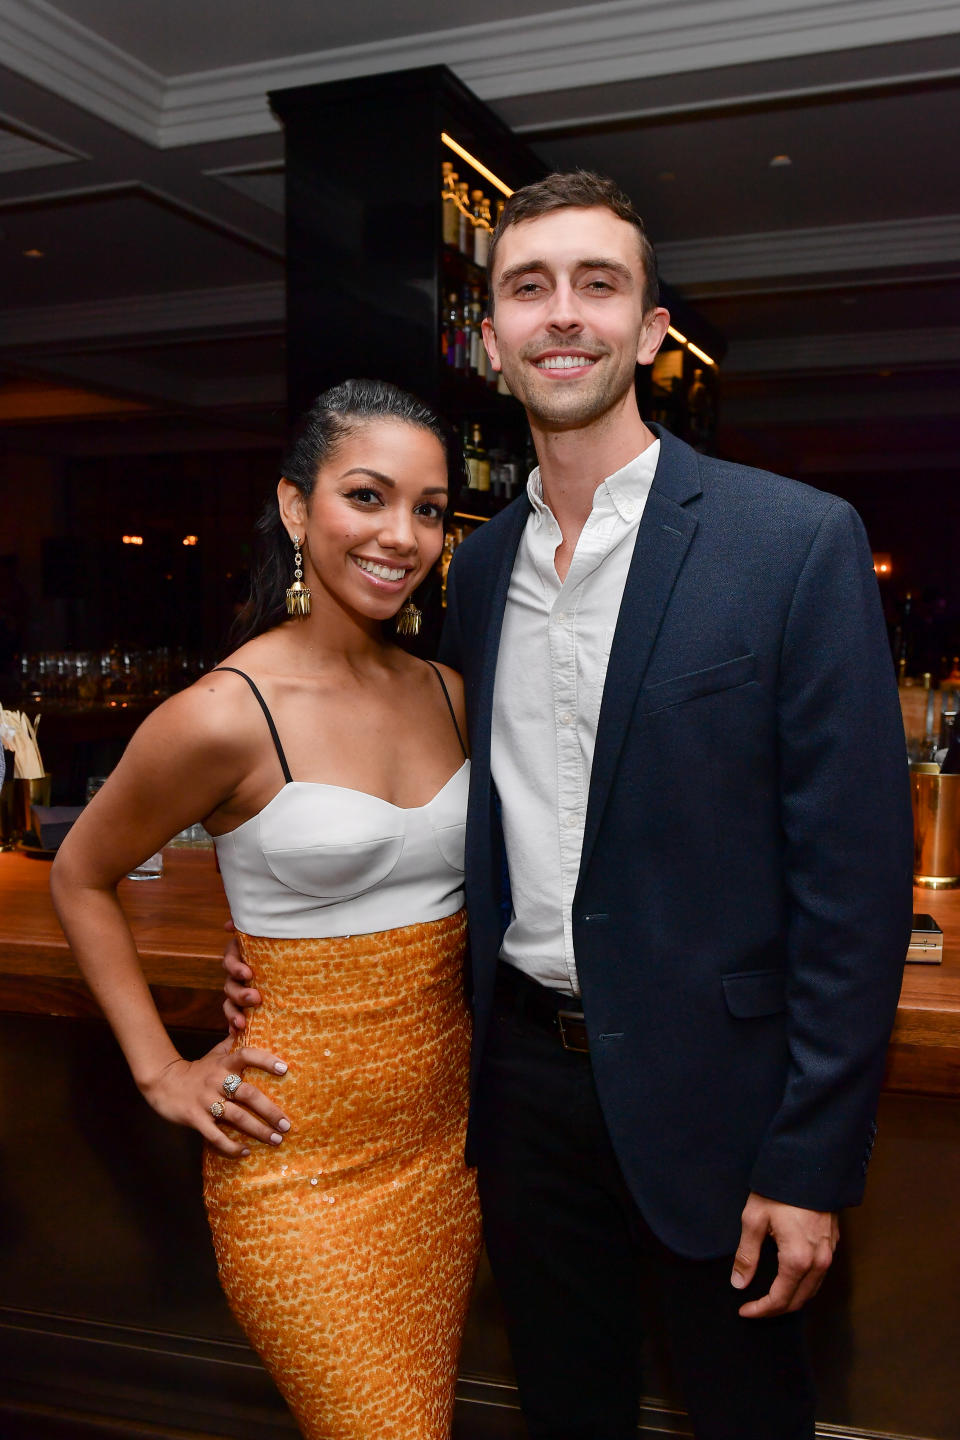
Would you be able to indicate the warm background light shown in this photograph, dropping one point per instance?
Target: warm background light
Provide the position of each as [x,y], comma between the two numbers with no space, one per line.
[694,349]
[480,168]
[189,539]
[133,539]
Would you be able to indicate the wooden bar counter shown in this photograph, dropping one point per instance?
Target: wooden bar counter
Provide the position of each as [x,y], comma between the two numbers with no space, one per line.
[178,925]
[177,922]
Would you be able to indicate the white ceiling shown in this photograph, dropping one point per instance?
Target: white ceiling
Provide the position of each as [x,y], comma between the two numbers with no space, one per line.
[177,37]
[138,153]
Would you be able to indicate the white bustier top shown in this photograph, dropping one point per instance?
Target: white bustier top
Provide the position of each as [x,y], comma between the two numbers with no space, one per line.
[320,860]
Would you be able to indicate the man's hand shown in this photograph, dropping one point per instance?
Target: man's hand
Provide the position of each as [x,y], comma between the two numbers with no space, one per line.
[237,987]
[805,1240]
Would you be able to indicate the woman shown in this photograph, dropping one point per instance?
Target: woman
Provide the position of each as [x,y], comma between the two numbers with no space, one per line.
[328,765]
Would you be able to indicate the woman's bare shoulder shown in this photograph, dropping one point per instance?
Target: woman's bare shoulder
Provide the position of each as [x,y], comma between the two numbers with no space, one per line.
[453,681]
[216,714]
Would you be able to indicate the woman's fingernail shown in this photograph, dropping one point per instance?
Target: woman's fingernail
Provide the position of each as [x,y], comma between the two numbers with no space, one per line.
[281,1067]
[248,997]
[275,1138]
[244,1152]
[283,1125]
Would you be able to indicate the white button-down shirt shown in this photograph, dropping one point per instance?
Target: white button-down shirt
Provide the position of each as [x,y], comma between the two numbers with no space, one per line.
[551,669]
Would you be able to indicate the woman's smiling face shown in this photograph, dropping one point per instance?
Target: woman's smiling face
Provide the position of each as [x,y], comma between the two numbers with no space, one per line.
[373,526]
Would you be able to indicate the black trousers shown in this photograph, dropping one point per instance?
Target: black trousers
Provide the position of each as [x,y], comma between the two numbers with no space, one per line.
[569,1251]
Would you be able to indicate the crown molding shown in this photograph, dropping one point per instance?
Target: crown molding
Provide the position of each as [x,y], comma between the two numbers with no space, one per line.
[720,264]
[43,44]
[585,45]
[252,309]
[870,350]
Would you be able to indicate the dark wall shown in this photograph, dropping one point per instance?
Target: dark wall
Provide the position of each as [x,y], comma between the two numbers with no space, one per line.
[69,582]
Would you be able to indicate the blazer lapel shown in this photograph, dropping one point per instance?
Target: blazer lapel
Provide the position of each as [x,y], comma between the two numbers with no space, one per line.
[484,886]
[663,539]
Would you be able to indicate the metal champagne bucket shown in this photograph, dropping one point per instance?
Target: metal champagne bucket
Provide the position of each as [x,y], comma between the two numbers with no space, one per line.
[936,828]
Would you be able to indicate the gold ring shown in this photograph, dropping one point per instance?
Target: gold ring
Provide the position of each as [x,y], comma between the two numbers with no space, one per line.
[230,1085]
[218,1110]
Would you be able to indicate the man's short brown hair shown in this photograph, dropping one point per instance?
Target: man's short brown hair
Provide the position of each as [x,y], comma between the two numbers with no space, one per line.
[580,190]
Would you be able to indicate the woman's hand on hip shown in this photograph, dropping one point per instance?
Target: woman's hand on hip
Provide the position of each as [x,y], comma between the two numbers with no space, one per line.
[192,1092]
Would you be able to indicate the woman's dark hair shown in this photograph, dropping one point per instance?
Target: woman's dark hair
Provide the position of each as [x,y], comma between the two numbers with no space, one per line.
[332,418]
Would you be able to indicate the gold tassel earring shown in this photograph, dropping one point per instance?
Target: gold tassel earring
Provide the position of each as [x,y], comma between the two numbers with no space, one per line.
[298,596]
[409,619]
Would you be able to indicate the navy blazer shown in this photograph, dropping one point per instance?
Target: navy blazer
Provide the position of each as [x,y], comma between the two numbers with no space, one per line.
[744,899]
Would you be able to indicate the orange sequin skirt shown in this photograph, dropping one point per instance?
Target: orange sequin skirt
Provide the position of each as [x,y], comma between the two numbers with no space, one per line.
[348,1252]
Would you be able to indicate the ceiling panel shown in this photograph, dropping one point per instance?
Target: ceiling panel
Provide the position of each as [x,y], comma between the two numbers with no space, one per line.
[226,359]
[854,159]
[22,151]
[104,246]
[867,308]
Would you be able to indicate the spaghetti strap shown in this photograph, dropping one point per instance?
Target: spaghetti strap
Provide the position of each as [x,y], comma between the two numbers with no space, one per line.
[453,713]
[263,706]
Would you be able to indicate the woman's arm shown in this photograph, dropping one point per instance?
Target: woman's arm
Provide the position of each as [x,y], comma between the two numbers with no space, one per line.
[184,762]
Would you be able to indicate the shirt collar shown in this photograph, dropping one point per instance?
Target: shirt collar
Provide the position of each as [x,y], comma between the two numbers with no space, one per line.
[627,487]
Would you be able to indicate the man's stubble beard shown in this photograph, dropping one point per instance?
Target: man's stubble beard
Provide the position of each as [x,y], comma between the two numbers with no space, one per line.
[579,408]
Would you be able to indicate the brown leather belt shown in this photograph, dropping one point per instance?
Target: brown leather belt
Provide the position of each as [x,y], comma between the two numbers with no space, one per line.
[548,1008]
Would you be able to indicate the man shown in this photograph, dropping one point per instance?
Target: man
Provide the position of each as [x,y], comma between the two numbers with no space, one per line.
[688,863]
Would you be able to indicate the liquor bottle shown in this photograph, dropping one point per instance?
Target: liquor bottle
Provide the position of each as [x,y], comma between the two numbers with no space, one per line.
[950,763]
[699,413]
[477,360]
[481,470]
[512,477]
[451,209]
[456,346]
[948,724]
[904,637]
[464,220]
[471,459]
[482,226]
[496,458]
[446,555]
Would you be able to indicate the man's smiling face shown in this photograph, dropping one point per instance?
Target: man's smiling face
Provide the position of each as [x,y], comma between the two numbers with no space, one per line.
[568,326]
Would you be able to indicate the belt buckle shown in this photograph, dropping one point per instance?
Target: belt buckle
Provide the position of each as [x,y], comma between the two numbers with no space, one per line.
[569,1043]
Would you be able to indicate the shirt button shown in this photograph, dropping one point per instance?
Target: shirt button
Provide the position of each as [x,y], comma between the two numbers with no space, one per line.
[572,822]
[566,718]
[629,507]
[560,617]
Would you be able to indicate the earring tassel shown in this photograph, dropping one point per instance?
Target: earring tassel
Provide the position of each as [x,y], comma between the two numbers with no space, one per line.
[298,600]
[409,619]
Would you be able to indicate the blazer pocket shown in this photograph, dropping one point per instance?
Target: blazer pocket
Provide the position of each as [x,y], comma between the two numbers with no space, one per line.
[751,993]
[725,676]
